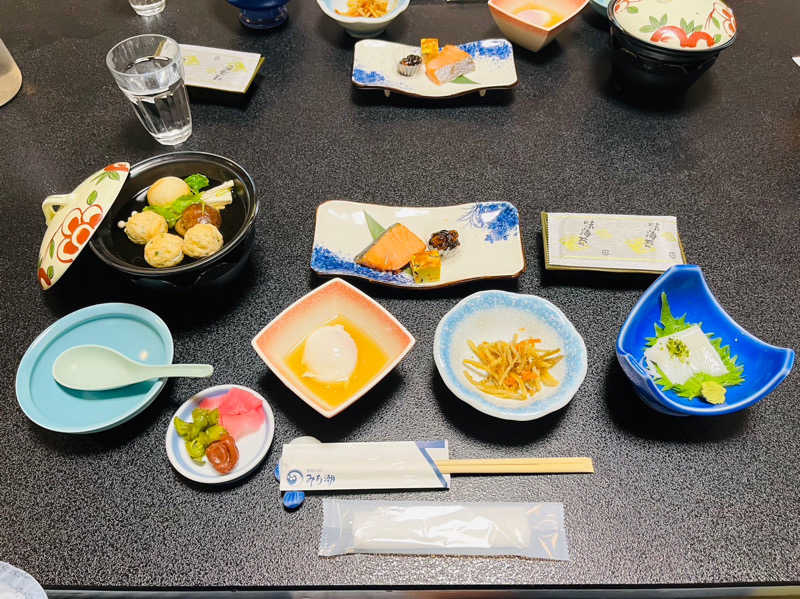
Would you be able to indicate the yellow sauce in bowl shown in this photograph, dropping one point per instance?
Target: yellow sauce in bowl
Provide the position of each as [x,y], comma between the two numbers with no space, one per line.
[371,360]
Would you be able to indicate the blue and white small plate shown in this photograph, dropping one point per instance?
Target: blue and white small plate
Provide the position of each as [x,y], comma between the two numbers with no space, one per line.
[252,448]
[489,234]
[375,67]
[131,330]
[496,316]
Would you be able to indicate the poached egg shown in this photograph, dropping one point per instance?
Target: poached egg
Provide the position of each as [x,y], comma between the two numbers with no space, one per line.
[330,355]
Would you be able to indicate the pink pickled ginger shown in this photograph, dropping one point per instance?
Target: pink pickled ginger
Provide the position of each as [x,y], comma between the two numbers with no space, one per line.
[239,412]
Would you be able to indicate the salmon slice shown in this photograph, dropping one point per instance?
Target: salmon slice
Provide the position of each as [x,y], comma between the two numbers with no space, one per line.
[392,250]
[450,63]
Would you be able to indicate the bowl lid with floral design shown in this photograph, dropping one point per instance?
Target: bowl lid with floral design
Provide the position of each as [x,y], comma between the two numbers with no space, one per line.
[683,25]
[73,218]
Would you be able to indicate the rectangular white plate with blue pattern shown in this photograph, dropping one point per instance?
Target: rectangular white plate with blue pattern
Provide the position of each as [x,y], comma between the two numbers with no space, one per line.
[491,246]
[375,67]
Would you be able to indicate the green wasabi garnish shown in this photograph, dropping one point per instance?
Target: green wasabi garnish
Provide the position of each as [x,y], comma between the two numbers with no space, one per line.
[713,392]
[695,386]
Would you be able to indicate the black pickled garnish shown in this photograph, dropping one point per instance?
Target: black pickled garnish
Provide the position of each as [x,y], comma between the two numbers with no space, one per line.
[444,240]
[411,60]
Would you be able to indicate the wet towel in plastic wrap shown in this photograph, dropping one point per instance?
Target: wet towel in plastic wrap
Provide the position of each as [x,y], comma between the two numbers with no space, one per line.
[534,530]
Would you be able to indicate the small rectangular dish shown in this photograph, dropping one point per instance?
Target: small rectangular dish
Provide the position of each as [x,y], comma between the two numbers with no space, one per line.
[630,243]
[219,69]
[375,66]
[349,236]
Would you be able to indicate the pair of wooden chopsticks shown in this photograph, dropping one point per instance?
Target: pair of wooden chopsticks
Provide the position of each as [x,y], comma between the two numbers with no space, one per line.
[517,466]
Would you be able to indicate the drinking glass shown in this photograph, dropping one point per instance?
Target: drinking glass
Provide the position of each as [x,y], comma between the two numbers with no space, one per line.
[149,71]
[10,77]
[147,8]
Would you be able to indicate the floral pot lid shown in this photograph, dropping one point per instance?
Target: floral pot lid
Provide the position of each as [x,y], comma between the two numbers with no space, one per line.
[686,25]
[73,218]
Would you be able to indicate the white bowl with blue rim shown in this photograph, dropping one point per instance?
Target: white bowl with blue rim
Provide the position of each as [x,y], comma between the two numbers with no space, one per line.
[252,448]
[131,330]
[497,316]
[361,27]
[765,366]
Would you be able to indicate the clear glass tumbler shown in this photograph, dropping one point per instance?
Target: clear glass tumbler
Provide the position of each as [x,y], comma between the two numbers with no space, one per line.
[10,77]
[149,71]
[147,8]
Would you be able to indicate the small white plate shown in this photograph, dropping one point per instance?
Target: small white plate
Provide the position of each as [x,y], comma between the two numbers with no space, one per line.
[252,448]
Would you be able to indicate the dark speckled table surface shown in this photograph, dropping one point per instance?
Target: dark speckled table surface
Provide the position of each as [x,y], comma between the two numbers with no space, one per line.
[673,502]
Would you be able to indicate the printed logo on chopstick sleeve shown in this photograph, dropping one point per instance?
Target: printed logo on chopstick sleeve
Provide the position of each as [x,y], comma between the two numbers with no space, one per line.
[311,479]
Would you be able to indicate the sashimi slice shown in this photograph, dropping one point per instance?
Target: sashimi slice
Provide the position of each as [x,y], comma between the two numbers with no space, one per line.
[392,250]
[239,425]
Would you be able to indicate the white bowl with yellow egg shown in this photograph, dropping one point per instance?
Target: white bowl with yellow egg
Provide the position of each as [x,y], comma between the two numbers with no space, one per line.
[332,346]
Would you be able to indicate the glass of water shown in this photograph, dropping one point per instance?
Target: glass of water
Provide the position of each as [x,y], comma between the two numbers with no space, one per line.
[149,71]
[147,8]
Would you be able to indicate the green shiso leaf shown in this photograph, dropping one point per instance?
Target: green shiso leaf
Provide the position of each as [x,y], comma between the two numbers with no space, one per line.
[375,228]
[463,79]
[692,387]
[671,324]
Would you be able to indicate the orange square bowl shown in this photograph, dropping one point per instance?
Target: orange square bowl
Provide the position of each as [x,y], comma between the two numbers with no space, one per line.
[510,17]
[335,298]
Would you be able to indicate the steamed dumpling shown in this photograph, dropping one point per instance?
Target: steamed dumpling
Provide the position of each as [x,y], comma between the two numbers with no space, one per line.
[143,226]
[166,190]
[164,250]
[202,240]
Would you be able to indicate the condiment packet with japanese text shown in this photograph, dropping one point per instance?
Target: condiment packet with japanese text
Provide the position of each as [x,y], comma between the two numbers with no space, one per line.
[611,242]
[378,465]
[225,70]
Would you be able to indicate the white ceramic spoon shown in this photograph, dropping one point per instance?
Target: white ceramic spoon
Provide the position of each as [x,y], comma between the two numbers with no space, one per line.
[98,368]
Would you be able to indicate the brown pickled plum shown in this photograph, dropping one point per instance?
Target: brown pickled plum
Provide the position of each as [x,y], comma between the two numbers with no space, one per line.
[197,214]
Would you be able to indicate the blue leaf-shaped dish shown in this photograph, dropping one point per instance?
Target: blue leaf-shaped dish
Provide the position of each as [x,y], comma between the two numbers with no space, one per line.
[765,366]
[498,315]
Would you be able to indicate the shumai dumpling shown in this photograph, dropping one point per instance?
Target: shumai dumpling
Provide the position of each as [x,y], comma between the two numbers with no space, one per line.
[143,226]
[202,240]
[164,250]
[166,190]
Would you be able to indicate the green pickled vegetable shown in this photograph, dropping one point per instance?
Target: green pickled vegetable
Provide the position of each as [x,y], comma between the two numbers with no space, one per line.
[196,429]
[196,449]
[203,438]
[215,433]
[200,417]
[201,432]
[183,428]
